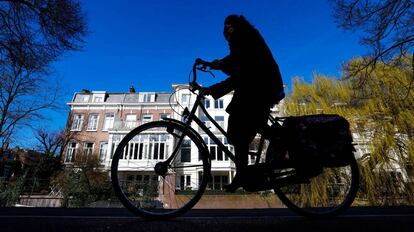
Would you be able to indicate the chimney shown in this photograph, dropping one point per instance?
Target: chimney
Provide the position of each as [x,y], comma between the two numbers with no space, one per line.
[132,89]
[86,91]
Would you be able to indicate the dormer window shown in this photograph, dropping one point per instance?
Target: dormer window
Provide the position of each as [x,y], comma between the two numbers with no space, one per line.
[147,97]
[98,96]
[85,98]
[98,99]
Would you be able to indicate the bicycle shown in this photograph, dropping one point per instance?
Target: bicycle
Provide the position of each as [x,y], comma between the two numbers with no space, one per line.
[167,185]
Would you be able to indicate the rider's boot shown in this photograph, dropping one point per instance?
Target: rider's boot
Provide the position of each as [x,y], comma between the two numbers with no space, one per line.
[236,183]
[241,152]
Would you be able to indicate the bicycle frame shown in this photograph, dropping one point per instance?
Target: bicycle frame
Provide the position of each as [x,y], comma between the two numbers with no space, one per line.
[191,117]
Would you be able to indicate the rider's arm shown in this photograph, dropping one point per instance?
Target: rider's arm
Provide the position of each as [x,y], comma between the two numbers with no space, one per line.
[222,88]
[227,65]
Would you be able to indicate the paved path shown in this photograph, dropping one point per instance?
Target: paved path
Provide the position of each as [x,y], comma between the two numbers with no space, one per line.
[61,220]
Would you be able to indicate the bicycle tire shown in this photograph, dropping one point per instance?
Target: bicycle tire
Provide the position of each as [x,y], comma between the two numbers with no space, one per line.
[305,203]
[155,195]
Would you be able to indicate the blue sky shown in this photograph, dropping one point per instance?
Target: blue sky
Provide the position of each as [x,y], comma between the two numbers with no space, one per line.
[152,44]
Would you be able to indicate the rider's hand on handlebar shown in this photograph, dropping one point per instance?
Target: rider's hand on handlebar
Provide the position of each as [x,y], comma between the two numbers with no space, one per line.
[200,61]
[201,64]
[215,64]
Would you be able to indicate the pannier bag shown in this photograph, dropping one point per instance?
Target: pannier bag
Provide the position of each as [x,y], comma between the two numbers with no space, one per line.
[321,139]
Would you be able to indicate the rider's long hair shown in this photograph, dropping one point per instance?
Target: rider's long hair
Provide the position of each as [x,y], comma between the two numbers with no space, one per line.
[243,30]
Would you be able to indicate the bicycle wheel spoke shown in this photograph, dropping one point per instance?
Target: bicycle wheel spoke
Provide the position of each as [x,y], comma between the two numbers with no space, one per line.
[329,193]
[143,180]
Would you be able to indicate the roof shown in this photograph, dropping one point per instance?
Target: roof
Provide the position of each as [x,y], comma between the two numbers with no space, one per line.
[142,97]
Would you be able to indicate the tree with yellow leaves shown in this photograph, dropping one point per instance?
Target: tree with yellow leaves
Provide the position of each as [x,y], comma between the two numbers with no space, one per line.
[381,114]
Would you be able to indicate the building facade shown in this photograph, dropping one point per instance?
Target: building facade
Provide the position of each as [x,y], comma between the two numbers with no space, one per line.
[95,117]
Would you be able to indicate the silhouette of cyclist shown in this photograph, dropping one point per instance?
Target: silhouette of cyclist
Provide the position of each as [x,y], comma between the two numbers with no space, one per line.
[255,78]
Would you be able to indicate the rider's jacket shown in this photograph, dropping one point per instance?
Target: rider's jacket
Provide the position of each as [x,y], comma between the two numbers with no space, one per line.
[253,73]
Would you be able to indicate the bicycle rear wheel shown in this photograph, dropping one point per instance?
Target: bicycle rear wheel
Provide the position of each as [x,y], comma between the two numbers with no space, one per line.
[146,183]
[328,194]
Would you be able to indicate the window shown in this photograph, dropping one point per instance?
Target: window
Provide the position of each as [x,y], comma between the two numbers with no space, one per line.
[77,122]
[185,182]
[188,181]
[206,103]
[158,146]
[87,149]
[215,152]
[147,97]
[146,118]
[109,121]
[103,149]
[185,98]
[85,98]
[164,115]
[206,122]
[219,181]
[99,99]
[186,151]
[93,122]
[71,152]
[218,104]
[220,120]
[131,120]
[113,149]
[149,146]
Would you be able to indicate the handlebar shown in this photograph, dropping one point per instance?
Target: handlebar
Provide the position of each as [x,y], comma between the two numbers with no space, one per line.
[203,66]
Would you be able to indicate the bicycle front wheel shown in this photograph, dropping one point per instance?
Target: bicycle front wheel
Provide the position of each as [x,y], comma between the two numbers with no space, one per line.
[328,194]
[160,170]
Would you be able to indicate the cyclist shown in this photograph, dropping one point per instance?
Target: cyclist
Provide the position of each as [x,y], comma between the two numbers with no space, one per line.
[255,78]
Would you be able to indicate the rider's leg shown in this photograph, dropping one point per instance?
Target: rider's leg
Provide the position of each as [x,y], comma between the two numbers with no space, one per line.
[240,134]
[243,126]
[241,153]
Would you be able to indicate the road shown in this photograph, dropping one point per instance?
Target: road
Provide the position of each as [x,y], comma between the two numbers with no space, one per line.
[56,219]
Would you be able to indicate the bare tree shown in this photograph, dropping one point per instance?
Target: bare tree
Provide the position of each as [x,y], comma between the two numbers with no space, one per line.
[22,96]
[49,142]
[33,33]
[387,27]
